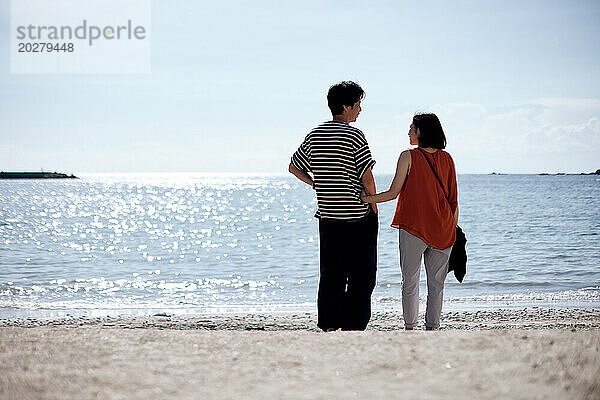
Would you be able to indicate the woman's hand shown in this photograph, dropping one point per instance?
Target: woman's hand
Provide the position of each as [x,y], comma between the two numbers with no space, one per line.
[363,197]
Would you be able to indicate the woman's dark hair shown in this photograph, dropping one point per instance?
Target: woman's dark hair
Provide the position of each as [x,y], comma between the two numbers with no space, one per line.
[431,132]
[342,94]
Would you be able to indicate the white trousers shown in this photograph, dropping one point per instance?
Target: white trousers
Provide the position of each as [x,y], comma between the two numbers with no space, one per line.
[436,267]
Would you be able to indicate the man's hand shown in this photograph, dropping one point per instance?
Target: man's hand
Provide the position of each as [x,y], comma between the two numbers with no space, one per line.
[369,186]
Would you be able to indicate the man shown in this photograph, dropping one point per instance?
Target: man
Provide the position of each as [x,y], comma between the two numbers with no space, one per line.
[336,161]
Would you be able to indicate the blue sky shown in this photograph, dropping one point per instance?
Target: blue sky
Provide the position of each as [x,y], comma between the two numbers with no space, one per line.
[235,87]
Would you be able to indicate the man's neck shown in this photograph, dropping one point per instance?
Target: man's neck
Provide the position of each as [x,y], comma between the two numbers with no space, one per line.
[340,118]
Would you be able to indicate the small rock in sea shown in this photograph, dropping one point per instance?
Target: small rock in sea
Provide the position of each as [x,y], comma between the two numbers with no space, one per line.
[255,328]
[161,315]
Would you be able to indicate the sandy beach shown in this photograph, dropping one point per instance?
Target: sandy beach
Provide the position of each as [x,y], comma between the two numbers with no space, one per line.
[529,353]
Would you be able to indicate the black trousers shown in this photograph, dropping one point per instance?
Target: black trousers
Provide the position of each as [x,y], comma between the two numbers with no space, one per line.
[348,268]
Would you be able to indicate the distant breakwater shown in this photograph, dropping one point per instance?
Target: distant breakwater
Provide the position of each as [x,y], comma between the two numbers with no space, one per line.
[36,175]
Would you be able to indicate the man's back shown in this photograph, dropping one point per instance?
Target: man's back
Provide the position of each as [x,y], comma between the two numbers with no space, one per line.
[337,155]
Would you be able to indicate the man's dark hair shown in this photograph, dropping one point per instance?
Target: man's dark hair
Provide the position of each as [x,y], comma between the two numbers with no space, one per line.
[345,93]
[430,129]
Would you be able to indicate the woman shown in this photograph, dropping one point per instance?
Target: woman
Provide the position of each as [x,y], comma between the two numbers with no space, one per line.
[426,216]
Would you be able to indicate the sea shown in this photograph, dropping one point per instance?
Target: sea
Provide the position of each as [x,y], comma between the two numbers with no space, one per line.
[142,244]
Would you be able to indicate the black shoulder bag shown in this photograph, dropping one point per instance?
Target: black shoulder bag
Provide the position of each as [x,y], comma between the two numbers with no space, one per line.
[458,256]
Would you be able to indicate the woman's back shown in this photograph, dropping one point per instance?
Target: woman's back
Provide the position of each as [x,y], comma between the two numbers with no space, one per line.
[423,209]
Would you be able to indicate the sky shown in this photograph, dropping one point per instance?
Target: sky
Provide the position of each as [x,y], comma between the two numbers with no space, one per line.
[235,86]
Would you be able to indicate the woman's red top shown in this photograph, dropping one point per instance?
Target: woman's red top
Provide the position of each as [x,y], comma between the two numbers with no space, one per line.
[422,208]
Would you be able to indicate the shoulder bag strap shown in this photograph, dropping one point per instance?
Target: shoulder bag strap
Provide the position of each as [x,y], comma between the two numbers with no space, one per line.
[435,173]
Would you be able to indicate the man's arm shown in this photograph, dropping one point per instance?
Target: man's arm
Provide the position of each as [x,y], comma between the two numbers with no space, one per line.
[369,185]
[303,176]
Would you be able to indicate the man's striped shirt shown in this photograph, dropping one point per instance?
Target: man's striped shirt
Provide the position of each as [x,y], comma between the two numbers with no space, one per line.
[337,155]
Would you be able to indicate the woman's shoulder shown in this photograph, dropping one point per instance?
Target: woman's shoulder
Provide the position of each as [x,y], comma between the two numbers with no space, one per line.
[447,159]
[406,155]
[446,155]
[410,152]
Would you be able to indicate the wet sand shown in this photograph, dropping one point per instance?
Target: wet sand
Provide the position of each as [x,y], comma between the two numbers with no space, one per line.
[523,354]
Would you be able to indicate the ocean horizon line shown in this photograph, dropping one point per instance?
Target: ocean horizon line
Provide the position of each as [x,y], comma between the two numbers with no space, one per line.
[241,173]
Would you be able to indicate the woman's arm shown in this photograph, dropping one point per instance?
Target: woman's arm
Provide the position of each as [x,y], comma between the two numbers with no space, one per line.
[402,167]
[453,191]
[456,216]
